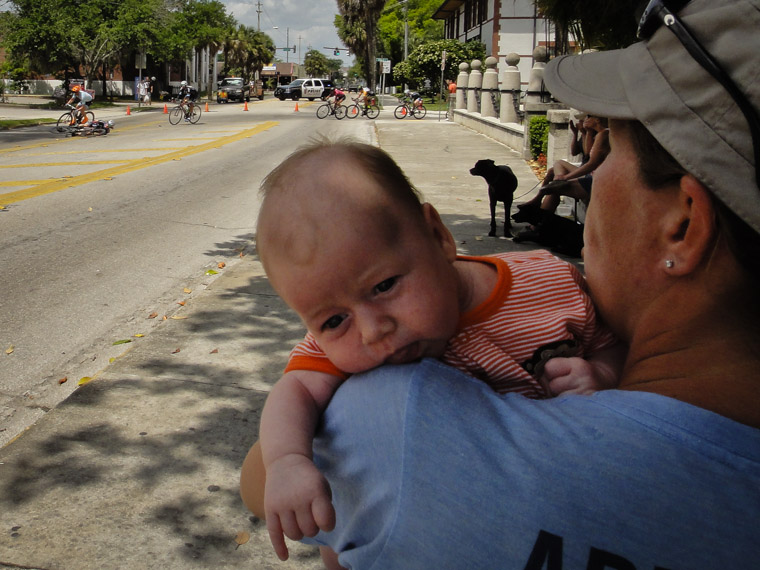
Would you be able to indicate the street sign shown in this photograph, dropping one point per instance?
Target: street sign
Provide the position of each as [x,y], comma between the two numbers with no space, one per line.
[386,66]
[382,59]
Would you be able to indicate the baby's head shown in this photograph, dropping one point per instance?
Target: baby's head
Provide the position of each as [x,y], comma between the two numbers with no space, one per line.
[347,244]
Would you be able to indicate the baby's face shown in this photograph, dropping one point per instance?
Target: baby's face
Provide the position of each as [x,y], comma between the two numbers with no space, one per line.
[373,296]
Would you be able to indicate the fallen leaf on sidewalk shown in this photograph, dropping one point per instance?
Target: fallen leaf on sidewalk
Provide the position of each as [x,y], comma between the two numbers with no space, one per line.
[175,351]
[241,538]
[186,290]
[211,272]
[153,315]
[83,380]
[123,341]
[63,380]
[215,351]
[221,265]
[10,349]
[178,317]
[181,303]
[139,335]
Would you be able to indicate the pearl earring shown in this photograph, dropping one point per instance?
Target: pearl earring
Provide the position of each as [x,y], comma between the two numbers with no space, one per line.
[669,263]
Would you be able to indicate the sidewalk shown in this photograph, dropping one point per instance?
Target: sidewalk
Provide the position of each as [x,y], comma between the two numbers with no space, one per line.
[139,468]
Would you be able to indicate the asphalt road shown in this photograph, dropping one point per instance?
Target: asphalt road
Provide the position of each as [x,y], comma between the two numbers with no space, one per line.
[99,234]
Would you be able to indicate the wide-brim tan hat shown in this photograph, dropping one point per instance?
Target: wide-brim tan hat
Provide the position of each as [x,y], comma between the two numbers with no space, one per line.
[690,113]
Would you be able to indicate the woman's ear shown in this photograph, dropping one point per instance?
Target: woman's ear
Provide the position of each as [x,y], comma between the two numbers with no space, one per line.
[691,228]
[439,231]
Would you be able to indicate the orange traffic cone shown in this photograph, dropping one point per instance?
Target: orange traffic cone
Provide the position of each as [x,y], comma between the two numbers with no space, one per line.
[245,108]
[166,109]
[296,109]
[206,106]
[128,111]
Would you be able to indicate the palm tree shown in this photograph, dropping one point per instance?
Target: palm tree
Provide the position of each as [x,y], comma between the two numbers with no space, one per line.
[363,14]
[247,50]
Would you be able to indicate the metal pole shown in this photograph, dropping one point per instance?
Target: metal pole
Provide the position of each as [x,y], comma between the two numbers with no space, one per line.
[287,45]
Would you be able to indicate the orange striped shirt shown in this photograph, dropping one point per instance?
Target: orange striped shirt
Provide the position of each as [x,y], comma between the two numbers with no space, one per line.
[538,302]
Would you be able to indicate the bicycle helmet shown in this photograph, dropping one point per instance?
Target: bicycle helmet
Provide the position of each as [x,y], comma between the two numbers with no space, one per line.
[75,88]
[110,124]
[183,83]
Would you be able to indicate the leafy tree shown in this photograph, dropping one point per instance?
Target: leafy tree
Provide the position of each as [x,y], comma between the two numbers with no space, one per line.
[422,28]
[425,62]
[316,63]
[597,24]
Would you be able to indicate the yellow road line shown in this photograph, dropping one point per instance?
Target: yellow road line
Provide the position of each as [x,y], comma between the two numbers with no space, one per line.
[77,163]
[138,164]
[28,182]
[119,150]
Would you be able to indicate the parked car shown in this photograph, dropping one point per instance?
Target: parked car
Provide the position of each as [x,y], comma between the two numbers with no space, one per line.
[233,89]
[308,88]
[290,91]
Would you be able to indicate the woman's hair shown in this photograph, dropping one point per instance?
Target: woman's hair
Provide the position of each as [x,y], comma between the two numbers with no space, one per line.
[374,161]
[658,168]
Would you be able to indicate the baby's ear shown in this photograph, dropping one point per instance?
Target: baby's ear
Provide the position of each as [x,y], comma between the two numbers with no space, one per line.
[439,231]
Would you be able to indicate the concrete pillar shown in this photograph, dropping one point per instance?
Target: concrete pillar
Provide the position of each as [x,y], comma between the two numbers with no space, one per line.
[559,136]
[536,80]
[462,81]
[510,90]
[490,89]
[473,87]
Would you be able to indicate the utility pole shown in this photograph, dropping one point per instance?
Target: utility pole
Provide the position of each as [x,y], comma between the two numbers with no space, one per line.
[258,14]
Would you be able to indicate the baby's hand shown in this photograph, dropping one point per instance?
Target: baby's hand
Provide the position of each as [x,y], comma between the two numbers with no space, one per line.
[296,501]
[570,375]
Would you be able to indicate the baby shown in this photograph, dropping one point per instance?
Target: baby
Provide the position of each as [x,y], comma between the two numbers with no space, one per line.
[375,276]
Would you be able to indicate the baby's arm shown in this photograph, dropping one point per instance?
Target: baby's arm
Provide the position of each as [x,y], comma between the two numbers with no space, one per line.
[296,496]
[575,375]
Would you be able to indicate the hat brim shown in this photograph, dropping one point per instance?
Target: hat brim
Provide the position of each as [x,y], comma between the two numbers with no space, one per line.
[590,82]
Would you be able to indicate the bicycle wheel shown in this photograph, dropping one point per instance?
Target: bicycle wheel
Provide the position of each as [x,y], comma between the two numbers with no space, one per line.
[400,112]
[176,114]
[323,111]
[340,112]
[63,122]
[373,111]
[353,111]
[419,112]
[196,116]
[90,116]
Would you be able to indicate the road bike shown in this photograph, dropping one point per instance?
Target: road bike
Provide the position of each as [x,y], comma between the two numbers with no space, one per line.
[71,118]
[330,108]
[92,128]
[180,112]
[370,110]
[407,107]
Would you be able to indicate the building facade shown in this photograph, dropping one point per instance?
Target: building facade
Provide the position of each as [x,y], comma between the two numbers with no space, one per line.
[503,26]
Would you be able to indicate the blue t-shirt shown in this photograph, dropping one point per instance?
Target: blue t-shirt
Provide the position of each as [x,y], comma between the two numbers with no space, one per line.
[431,469]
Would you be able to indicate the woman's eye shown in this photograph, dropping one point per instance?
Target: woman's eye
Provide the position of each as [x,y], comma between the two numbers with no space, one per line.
[333,322]
[386,285]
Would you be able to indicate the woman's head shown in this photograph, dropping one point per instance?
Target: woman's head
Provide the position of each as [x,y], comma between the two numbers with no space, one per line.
[688,112]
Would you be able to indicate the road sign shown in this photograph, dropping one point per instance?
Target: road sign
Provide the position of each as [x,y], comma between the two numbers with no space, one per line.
[386,66]
[382,59]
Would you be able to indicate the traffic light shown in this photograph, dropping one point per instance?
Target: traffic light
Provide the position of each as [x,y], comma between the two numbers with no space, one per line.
[336,51]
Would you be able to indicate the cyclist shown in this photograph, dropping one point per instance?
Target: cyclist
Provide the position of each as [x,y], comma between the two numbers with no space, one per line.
[365,97]
[83,99]
[187,94]
[340,96]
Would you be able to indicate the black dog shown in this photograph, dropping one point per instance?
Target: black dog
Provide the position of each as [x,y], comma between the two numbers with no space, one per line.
[560,234]
[501,188]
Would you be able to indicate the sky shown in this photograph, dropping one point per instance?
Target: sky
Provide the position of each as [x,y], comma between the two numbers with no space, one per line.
[301,23]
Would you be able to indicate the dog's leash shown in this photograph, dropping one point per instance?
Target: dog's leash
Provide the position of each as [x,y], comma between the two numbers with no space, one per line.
[528,192]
